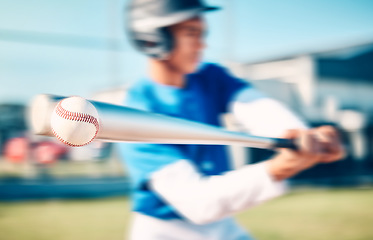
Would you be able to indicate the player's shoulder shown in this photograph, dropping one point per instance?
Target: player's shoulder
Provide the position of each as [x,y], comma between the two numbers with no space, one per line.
[210,68]
[137,95]
[141,86]
[219,75]
[212,74]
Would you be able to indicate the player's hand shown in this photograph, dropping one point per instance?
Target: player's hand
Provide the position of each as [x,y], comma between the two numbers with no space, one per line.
[331,145]
[318,145]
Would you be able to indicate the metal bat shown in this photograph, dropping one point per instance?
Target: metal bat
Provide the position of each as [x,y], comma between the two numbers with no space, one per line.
[123,124]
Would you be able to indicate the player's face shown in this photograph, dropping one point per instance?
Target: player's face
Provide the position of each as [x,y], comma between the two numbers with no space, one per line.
[189,43]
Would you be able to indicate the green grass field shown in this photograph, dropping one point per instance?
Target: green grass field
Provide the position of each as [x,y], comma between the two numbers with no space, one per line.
[304,214]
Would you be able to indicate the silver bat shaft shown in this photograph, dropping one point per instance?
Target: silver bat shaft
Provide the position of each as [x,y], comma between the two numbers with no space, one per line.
[123,124]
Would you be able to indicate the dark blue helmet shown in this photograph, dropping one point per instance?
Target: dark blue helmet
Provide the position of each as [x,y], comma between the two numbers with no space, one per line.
[148,20]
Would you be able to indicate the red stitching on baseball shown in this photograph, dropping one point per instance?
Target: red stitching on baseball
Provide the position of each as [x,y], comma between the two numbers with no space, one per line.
[78,117]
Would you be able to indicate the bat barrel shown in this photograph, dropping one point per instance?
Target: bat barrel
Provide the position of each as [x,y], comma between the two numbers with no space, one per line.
[130,125]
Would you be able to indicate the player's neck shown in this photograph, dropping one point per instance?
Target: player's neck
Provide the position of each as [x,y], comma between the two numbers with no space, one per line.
[165,74]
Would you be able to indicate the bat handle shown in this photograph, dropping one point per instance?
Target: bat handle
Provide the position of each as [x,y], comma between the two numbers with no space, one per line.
[285,143]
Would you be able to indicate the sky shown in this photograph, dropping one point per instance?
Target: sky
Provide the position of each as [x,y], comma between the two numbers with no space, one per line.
[265,29]
[79,47]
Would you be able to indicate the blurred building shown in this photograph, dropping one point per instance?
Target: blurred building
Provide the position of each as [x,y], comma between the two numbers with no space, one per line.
[329,87]
[12,122]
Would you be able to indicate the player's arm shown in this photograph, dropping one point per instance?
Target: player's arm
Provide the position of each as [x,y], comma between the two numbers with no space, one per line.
[204,199]
[263,116]
[199,198]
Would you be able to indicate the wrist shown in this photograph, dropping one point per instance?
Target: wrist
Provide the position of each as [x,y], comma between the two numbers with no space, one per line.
[281,168]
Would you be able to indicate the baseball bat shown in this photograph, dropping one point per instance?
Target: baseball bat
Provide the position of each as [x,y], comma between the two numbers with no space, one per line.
[123,124]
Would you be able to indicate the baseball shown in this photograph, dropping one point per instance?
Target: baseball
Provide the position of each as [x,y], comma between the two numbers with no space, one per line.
[74,121]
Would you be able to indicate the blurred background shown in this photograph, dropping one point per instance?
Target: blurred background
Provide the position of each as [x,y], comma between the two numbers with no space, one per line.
[315,56]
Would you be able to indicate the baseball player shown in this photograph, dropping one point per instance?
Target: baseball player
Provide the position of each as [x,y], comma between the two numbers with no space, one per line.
[190,191]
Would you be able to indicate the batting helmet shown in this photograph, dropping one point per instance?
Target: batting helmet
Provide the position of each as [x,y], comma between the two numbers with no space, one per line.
[147,23]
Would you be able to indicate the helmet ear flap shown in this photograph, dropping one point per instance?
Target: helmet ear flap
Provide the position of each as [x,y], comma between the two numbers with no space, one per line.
[156,43]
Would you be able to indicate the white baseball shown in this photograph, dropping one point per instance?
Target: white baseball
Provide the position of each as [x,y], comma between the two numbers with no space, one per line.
[74,121]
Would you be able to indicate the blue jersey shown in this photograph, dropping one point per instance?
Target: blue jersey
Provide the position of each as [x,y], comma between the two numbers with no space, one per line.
[204,98]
